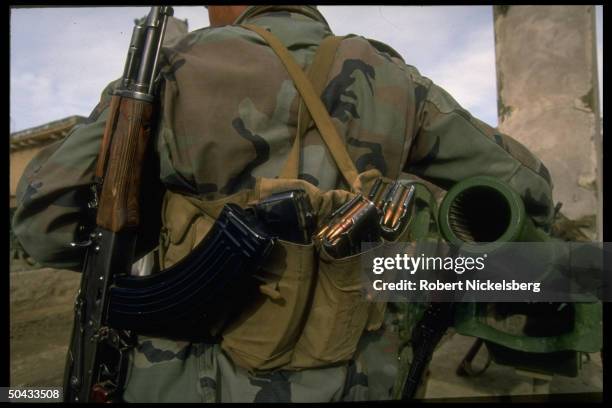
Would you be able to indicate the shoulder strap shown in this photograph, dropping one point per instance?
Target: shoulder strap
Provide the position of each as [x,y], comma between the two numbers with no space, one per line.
[318,72]
[314,104]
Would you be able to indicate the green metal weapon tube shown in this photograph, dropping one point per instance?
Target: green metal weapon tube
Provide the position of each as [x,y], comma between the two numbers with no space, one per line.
[481,214]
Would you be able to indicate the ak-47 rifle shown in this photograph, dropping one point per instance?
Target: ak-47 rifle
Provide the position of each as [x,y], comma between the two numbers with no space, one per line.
[97,356]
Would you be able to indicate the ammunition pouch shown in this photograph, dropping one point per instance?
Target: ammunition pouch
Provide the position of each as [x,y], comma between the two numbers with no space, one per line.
[309,310]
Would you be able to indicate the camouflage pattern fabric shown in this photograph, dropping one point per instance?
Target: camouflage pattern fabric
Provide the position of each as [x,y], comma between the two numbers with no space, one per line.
[169,371]
[228,114]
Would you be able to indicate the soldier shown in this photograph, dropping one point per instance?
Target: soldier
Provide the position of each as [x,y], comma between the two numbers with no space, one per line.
[228,115]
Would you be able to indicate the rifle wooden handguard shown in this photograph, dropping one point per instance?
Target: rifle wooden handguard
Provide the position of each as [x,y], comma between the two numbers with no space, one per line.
[120,162]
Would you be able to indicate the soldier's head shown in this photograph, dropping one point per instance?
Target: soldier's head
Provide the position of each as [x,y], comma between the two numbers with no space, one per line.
[223,15]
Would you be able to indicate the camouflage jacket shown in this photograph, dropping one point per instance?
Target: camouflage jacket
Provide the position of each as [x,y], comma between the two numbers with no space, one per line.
[228,114]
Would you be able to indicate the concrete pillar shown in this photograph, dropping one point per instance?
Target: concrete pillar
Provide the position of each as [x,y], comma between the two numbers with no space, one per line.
[548,99]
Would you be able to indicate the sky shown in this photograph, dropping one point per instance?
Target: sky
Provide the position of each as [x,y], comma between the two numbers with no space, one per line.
[62,58]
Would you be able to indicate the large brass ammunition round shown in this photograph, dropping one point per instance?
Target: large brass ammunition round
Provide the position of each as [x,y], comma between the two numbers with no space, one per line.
[346,221]
[400,211]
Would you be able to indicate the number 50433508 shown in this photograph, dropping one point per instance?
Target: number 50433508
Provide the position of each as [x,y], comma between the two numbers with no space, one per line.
[17,394]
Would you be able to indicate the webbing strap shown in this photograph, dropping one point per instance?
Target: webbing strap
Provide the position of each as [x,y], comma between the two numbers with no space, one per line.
[314,104]
[318,72]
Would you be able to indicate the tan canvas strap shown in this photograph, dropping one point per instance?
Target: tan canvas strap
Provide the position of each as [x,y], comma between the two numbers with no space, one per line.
[318,72]
[315,106]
